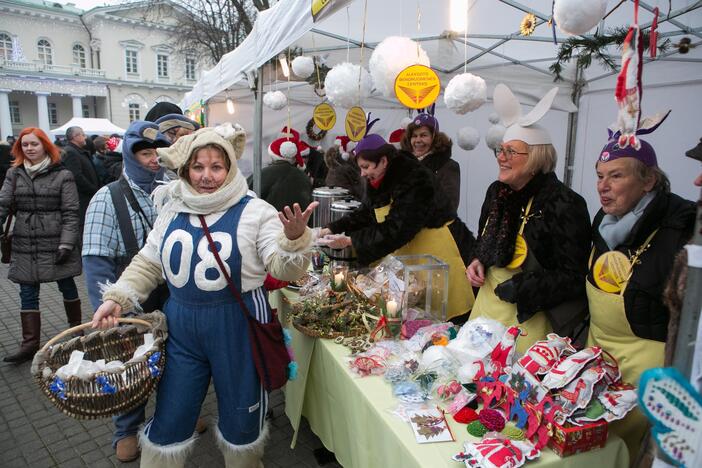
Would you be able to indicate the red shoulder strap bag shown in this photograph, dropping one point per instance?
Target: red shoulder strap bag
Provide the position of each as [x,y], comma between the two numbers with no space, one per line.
[267,342]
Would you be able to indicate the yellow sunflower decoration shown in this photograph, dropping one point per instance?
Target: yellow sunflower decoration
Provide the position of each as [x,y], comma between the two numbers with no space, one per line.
[527,25]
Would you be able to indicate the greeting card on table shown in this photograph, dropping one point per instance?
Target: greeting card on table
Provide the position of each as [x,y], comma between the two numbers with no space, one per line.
[430,426]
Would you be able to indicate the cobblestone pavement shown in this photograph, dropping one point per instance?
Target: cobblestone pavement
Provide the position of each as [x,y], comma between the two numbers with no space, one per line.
[33,433]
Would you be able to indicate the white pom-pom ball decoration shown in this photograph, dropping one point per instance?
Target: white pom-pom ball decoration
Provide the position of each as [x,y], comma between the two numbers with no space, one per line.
[275,100]
[392,56]
[341,84]
[494,118]
[494,135]
[288,149]
[468,138]
[465,93]
[303,66]
[577,16]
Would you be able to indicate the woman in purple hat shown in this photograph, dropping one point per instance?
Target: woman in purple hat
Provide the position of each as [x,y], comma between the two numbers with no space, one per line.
[404,212]
[636,235]
[433,148]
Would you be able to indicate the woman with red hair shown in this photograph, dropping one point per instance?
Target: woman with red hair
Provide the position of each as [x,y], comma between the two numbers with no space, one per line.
[41,194]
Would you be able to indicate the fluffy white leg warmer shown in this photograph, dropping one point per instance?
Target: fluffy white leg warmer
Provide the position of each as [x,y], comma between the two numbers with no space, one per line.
[242,456]
[164,456]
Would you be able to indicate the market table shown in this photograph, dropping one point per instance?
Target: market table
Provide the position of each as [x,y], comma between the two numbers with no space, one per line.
[353,417]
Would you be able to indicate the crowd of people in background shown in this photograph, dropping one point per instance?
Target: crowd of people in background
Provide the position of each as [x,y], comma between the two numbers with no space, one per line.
[87,204]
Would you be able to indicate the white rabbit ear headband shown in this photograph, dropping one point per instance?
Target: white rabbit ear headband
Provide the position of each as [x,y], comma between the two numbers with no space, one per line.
[522,127]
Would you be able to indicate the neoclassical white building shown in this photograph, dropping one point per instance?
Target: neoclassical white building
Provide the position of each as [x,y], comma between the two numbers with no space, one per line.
[59,62]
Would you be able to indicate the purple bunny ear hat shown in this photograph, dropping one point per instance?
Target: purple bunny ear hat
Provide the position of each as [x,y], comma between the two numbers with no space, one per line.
[427,119]
[646,154]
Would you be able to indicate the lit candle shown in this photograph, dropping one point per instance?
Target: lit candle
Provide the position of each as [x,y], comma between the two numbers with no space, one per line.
[339,279]
[391,308]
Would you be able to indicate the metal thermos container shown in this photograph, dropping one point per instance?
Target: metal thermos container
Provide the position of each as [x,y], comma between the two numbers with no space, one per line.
[339,209]
[326,196]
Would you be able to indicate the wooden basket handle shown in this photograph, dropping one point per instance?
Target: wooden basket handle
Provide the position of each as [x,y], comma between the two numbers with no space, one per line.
[86,325]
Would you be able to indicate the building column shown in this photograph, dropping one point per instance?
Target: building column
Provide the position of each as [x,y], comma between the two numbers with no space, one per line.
[77,105]
[43,111]
[5,119]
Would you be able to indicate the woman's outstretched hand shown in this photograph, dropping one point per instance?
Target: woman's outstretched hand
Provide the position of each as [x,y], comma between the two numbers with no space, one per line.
[295,220]
[107,314]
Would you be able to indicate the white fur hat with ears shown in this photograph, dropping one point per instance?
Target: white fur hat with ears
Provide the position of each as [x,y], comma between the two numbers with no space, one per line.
[232,139]
[523,127]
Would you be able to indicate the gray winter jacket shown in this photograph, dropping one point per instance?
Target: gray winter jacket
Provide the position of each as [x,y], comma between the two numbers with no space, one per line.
[46,217]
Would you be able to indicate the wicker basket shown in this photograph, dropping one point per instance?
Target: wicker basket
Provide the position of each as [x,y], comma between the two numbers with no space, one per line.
[108,393]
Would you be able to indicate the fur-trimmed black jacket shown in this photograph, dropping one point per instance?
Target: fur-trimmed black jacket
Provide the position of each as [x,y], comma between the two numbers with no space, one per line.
[674,217]
[417,203]
[558,236]
[448,173]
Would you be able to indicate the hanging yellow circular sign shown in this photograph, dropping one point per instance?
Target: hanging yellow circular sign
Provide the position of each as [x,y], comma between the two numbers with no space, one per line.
[324,116]
[611,271]
[520,253]
[417,86]
[355,123]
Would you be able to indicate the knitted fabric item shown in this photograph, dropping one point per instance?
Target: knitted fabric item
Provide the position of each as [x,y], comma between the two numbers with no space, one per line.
[476,429]
[513,432]
[465,415]
[492,419]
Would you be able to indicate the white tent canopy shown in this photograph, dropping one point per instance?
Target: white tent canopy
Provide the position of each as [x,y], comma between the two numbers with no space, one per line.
[89,126]
[497,52]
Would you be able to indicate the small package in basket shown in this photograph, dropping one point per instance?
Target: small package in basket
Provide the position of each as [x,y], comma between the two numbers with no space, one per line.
[568,439]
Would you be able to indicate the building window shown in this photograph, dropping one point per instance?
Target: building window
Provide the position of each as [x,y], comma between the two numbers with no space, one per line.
[46,55]
[15,113]
[190,68]
[162,65]
[79,55]
[5,46]
[86,111]
[53,114]
[131,57]
[134,112]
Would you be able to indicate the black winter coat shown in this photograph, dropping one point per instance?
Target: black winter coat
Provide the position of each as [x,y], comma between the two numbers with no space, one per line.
[283,184]
[315,168]
[417,203]
[448,172]
[46,217]
[643,298]
[78,161]
[558,236]
[5,160]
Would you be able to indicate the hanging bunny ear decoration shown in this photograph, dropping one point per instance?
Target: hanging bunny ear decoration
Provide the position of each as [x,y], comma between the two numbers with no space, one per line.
[523,127]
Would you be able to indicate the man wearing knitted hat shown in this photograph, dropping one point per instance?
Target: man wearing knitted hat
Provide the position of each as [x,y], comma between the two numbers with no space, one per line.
[118,221]
[636,235]
[174,126]
[208,329]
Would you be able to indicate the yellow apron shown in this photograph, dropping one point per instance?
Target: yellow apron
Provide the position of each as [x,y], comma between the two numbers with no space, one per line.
[610,330]
[440,243]
[489,305]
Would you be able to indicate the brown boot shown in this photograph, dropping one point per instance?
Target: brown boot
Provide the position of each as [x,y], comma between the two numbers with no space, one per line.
[31,332]
[127,449]
[73,312]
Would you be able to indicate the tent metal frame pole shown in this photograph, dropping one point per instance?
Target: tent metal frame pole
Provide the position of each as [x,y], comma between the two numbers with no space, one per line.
[571,138]
[258,132]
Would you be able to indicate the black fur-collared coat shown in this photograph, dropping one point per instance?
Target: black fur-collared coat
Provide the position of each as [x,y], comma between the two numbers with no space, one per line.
[417,203]
[674,217]
[448,172]
[558,236]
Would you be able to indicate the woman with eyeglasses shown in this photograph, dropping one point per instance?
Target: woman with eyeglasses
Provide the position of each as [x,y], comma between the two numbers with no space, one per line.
[534,236]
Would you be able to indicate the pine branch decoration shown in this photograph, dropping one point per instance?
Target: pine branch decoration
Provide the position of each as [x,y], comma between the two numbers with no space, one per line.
[585,49]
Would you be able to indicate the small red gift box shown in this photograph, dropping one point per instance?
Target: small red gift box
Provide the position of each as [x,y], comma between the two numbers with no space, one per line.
[568,440]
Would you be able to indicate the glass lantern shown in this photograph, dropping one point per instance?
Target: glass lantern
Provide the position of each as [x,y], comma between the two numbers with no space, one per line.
[425,285]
